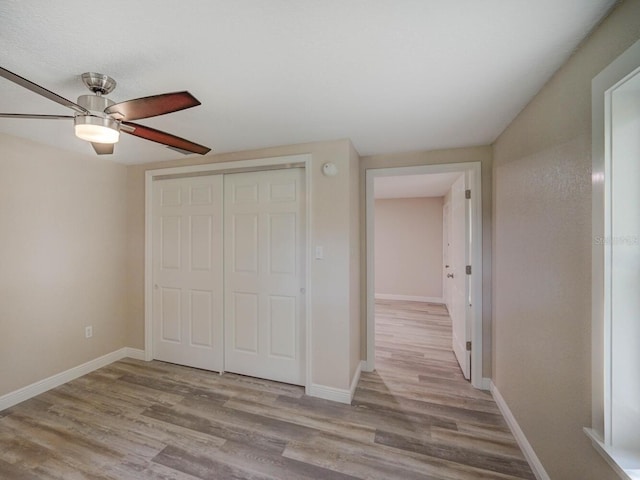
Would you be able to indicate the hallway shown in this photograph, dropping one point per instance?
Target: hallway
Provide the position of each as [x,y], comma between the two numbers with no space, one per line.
[434,415]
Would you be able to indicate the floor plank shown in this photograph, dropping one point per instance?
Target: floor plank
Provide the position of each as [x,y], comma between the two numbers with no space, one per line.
[415,417]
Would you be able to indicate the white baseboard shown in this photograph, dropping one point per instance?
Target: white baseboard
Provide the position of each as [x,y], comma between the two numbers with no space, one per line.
[13,398]
[134,353]
[408,298]
[525,446]
[337,394]
[486,383]
[356,379]
[367,366]
[329,393]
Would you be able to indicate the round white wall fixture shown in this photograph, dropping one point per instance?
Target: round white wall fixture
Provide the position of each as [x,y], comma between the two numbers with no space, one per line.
[329,169]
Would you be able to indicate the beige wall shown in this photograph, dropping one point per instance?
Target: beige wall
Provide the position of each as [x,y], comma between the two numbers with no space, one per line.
[334,282]
[408,247]
[482,154]
[62,260]
[542,253]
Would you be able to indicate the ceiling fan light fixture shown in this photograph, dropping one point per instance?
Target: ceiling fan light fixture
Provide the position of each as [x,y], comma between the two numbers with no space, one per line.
[97,129]
[99,120]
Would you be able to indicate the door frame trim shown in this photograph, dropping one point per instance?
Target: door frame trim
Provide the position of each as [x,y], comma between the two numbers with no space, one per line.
[288,161]
[472,169]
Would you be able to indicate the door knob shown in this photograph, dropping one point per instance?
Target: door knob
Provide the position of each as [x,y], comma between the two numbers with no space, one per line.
[449,275]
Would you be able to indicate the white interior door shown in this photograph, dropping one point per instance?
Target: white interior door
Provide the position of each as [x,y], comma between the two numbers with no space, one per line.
[264,263]
[187,271]
[446,233]
[457,283]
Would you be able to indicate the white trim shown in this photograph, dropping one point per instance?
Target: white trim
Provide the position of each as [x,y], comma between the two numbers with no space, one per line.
[355,379]
[308,295]
[284,161]
[135,353]
[486,383]
[25,393]
[408,298]
[369,192]
[625,464]
[340,395]
[148,264]
[474,169]
[525,446]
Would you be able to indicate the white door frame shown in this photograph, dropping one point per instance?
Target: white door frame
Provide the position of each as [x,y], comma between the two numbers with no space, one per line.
[288,161]
[473,170]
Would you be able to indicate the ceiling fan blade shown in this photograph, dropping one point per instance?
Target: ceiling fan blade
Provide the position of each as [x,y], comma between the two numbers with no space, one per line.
[103,148]
[152,106]
[164,138]
[23,82]
[34,116]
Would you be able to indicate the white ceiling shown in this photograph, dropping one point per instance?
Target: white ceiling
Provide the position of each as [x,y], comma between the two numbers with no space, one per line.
[392,75]
[411,186]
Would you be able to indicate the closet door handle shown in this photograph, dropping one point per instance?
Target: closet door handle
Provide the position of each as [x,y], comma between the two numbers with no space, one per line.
[449,275]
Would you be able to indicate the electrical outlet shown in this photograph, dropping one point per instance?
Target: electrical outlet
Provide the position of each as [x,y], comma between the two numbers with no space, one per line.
[88,332]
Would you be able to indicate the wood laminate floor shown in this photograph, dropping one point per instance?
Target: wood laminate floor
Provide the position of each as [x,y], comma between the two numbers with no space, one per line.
[414,418]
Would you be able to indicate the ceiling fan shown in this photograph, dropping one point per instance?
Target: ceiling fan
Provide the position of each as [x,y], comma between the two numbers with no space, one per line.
[99,120]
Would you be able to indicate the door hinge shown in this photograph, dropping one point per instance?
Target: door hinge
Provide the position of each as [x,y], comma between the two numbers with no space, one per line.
[468,269]
[467,194]
[468,346]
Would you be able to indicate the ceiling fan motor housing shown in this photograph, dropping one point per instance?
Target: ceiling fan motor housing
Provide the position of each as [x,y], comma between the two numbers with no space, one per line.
[96,105]
[99,84]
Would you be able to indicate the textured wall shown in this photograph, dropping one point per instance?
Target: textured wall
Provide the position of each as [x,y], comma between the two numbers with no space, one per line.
[408,246]
[542,257]
[62,261]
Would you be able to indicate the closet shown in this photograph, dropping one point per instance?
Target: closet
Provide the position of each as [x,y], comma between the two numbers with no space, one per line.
[228,273]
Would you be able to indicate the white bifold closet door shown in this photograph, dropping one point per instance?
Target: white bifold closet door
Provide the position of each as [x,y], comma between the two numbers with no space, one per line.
[263,278]
[228,273]
[187,271]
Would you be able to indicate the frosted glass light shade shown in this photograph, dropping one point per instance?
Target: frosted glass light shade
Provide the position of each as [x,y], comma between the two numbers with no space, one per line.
[96,129]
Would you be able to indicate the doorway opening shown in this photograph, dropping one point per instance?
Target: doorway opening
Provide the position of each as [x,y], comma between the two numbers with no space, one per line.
[424,245]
